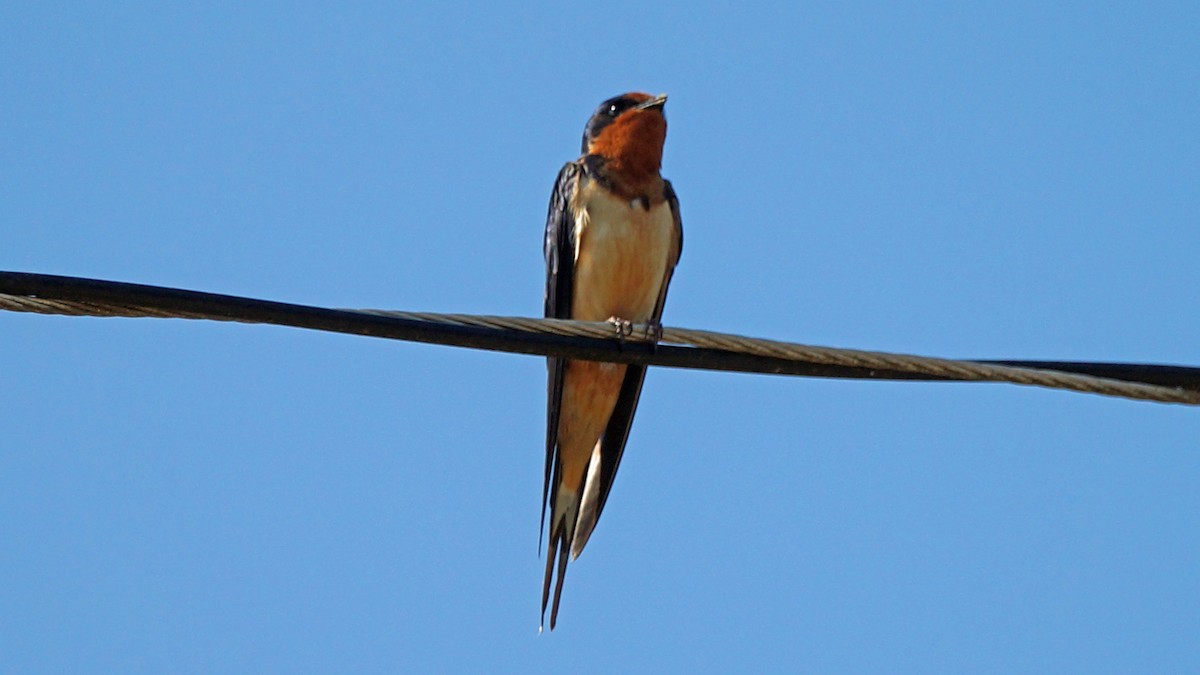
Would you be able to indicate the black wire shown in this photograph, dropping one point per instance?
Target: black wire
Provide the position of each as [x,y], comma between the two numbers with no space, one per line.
[498,339]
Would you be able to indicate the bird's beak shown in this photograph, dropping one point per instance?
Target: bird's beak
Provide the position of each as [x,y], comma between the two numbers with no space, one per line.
[656,102]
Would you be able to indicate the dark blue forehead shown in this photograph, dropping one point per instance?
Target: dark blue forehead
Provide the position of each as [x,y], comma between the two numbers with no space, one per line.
[607,111]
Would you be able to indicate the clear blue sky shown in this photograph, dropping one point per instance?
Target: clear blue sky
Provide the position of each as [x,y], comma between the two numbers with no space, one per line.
[1005,180]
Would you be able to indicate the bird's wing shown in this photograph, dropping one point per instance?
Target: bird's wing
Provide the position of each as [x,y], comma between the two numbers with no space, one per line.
[560,277]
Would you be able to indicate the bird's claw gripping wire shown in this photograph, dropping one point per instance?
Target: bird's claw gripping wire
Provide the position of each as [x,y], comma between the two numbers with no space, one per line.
[623,328]
[654,333]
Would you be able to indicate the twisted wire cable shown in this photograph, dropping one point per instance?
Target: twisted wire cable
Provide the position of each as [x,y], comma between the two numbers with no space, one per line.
[675,347]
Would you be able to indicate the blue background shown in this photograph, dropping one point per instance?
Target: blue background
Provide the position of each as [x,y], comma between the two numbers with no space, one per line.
[1014,180]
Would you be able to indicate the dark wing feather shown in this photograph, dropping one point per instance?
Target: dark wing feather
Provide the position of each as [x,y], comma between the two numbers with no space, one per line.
[617,431]
[560,278]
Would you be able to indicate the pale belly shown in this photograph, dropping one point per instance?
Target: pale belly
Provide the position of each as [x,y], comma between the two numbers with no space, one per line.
[621,258]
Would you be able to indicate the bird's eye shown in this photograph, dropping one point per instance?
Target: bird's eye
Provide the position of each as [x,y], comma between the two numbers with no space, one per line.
[614,109]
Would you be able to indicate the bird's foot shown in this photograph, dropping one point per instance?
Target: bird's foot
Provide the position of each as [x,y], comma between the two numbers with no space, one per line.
[623,328]
[654,332]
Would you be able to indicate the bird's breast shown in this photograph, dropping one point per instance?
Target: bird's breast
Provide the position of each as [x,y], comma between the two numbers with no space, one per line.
[622,250]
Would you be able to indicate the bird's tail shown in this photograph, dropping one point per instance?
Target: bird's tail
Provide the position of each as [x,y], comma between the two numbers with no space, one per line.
[563,514]
[572,518]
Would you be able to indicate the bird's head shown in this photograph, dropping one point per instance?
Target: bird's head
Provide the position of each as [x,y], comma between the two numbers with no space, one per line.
[628,131]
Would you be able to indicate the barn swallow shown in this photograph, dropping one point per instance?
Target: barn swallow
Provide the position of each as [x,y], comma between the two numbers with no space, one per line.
[613,237]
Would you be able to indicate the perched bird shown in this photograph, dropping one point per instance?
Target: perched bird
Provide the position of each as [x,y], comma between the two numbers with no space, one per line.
[613,236]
